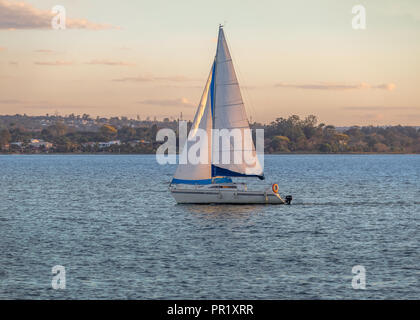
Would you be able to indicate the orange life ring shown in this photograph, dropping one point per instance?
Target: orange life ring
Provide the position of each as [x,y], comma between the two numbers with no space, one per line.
[275,188]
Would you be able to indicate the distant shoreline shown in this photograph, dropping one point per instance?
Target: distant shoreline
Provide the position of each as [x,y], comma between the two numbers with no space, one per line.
[292,135]
[151,154]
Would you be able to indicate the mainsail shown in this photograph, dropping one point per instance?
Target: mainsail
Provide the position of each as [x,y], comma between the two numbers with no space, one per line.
[221,108]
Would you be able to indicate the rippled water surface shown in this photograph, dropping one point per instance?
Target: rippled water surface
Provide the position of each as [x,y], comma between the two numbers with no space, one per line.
[112,223]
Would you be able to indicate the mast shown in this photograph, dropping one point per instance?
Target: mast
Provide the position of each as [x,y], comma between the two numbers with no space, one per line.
[213,171]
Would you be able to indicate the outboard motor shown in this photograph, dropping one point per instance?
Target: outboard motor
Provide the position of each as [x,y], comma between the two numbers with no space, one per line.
[288,199]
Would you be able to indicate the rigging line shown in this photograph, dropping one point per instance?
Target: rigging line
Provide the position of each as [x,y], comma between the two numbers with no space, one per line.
[242,88]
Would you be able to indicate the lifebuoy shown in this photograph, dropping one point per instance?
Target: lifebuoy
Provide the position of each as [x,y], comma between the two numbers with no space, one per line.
[275,188]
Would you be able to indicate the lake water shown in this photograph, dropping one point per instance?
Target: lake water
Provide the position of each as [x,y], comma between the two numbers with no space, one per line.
[112,223]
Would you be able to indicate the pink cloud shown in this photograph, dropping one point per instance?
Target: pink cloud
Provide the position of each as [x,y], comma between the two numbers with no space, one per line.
[337,86]
[148,78]
[54,63]
[21,15]
[111,63]
[46,51]
[179,102]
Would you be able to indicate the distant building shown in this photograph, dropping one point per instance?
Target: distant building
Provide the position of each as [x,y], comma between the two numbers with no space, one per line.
[133,143]
[109,143]
[35,143]
[88,144]
[16,144]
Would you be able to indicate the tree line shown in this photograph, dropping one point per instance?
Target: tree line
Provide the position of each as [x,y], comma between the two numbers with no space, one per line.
[306,135]
[284,135]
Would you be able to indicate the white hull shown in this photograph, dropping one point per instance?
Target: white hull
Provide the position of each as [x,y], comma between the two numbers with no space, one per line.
[231,196]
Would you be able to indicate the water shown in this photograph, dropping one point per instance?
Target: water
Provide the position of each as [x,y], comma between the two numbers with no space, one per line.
[111,222]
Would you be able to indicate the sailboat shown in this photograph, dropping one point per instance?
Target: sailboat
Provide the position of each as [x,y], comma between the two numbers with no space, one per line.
[221,107]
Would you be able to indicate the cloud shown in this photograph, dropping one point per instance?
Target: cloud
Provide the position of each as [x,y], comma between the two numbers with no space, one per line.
[149,78]
[337,86]
[11,101]
[134,79]
[54,63]
[409,116]
[21,15]
[110,63]
[385,86]
[374,116]
[179,102]
[52,107]
[45,51]
[19,101]
[174,78]
[85,24]
[381,108]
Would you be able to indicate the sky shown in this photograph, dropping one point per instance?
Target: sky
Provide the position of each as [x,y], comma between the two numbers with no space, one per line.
[152,58]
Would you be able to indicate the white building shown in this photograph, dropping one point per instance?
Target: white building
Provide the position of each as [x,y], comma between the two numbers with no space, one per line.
[109,143]
[40,143]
